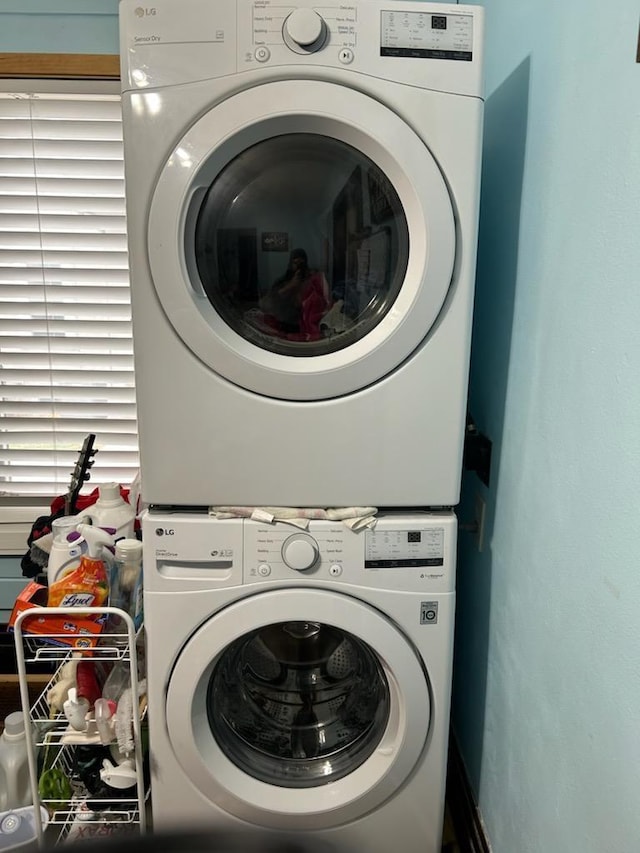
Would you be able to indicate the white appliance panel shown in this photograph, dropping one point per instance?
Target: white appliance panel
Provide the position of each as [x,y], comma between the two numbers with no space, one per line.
[363,402]
[195,620]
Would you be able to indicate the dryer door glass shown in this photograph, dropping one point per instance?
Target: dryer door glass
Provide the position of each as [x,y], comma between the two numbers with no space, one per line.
[301,244]
[298,704]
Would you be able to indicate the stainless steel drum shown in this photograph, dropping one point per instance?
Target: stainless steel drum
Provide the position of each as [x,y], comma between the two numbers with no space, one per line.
[298,704]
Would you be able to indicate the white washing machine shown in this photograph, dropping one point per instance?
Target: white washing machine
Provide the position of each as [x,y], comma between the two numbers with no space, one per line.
[300,681]
[302,194]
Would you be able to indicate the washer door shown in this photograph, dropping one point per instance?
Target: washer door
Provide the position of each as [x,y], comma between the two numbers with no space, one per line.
[301,240]
[298,709]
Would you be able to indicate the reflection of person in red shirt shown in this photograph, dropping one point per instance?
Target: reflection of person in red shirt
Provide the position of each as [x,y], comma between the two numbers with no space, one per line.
[298,300]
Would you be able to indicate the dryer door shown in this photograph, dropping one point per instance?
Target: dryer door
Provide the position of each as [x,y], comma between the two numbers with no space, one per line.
[298,708]
[301,240]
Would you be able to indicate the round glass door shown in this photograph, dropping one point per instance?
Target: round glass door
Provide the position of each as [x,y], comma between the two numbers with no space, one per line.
[301,244]
[298,704]
[301,240]
[298,708]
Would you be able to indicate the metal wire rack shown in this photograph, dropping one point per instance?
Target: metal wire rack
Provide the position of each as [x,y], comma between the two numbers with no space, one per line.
[51,735]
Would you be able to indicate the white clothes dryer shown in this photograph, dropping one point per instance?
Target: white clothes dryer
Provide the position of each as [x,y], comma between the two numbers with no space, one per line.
[302,194]
[300,681]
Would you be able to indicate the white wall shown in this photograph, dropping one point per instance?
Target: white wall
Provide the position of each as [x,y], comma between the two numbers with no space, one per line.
[547,685]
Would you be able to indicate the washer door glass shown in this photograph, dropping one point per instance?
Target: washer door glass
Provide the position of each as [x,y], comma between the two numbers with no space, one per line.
[298,704]
[301,244]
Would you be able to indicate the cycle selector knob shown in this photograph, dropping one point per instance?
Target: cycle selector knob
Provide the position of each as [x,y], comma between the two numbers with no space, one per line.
[300,552]
[304,31]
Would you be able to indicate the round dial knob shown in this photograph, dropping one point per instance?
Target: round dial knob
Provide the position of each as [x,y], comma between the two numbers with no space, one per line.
[304,28]
[300,552]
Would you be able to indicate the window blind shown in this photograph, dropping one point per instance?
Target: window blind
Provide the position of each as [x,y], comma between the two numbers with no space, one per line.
[66,355]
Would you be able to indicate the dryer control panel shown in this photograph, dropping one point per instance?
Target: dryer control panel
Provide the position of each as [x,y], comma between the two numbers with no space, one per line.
[430,45]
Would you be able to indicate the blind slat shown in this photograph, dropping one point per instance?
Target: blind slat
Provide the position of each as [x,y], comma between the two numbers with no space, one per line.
[34,220]
[61,205]
[69,393]
[78,189]
[81,275]
[52,261]
[91,328]
[73,425]
[94,380]
[64,409]
[14,243]
[63,361]
[74,344]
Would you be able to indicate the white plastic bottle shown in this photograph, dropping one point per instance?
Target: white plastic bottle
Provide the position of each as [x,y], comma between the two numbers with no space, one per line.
[112,510]
[64,556]
[15,790]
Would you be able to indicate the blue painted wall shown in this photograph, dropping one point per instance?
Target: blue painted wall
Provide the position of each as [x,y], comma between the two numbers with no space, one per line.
[547,684]
[59,26]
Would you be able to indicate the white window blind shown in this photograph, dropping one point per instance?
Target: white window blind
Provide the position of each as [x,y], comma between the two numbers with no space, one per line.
[66,355]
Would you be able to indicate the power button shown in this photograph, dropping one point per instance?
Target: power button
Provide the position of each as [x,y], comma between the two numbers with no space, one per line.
[262,53]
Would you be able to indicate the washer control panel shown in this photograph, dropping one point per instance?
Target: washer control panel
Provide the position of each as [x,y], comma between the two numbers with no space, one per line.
[392,549]
[403,551]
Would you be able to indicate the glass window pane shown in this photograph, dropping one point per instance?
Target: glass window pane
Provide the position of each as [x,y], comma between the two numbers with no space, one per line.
[301,244]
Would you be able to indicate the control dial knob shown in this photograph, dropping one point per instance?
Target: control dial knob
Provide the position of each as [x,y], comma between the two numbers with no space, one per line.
[304,31]
[300,552]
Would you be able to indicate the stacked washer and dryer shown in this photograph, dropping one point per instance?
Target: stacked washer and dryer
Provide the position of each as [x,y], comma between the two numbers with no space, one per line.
[302,197]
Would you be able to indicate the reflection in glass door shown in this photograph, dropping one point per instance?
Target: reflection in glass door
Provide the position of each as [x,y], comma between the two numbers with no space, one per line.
[301,244]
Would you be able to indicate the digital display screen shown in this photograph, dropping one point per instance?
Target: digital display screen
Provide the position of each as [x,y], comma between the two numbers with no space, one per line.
[421,35]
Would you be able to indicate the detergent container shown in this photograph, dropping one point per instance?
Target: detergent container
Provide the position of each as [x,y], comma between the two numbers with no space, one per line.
[112,510]
[88,585]
[64,555]
[14,768]
[126,579]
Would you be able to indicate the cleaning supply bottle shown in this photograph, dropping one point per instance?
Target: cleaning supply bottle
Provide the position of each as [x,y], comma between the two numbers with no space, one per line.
[76,709]
[126,579]
[64,556]
[14,768]
[88,585]
[112,510]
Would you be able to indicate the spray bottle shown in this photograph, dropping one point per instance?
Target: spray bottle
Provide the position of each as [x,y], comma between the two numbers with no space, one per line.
[64,555]
[88,585]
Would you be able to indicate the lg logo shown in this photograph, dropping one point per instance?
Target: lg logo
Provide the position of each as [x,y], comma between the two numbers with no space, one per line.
[144,11]
[163,531]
